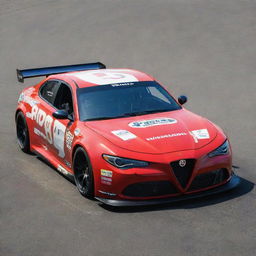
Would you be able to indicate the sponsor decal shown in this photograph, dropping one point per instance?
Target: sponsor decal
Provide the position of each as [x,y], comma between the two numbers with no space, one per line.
[62,170]
[166,136]
[69,139]
[106,177]
[53,131]
[106,193]
[106,182]
[182,163]
[199,134]
[26,99]
[39,133]
[21,97]
[124,135]
[101,77]
[152,122]
[28,115]
[122,84]
[106,173]
[49,93]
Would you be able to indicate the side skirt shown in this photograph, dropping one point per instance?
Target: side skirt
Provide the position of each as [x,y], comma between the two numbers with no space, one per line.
[59,167]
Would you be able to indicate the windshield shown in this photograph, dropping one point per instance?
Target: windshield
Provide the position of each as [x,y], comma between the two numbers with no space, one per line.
[123,100]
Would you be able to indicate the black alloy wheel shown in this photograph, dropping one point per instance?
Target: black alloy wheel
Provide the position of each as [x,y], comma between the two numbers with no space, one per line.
[22,133]
[83,174]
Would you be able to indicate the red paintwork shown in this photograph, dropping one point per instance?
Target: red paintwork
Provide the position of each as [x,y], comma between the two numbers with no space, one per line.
[96,138]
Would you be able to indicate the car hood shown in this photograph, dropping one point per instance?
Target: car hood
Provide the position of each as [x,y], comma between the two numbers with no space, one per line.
[157,133]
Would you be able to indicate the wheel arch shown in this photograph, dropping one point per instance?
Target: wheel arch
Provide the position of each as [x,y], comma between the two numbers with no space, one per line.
[26,144]
[78,145]
[17,111]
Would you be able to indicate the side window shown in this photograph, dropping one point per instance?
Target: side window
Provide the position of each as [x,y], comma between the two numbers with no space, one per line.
[48,91]
[63,99]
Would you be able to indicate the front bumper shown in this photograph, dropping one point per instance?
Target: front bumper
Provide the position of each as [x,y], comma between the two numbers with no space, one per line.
[232,183]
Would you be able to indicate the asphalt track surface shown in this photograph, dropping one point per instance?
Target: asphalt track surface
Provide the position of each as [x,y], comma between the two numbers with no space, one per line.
[204,49]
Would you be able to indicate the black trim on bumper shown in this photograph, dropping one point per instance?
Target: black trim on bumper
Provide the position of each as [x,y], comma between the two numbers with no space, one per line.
[232,183]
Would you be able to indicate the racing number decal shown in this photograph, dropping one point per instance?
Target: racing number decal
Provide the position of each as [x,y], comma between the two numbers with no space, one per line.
[54,134]
[105,77]
[110,75]
[48,128]
[58,137]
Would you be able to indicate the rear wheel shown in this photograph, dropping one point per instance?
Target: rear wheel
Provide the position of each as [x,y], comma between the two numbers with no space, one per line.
[83,173]
[22,133]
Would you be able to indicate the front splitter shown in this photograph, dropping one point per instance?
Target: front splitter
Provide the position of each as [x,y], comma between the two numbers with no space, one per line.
[232,183]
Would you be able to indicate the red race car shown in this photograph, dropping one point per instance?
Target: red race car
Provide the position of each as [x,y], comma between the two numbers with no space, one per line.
[121,136]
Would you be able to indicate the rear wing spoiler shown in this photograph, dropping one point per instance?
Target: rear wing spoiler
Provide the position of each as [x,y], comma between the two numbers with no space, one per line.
[36,72]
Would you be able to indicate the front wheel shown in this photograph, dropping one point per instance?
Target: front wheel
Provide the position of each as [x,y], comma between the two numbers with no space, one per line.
[83,174]
[22,133]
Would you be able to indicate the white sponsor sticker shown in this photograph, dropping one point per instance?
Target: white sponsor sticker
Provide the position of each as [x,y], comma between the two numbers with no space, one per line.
[124,135]
[122,84]
[106,193]
[21,97]
[69,139]
[101,77]
[106,182]
[106,173]
[26,99]
[200,134]
[166,136]
[62,170]
[39,133]
[106,177]
[152,122]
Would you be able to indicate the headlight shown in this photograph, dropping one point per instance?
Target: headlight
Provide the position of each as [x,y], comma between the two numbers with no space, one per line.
[124,163]
[221,150]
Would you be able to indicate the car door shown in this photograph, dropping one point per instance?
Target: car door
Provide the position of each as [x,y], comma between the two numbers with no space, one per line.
[62,135]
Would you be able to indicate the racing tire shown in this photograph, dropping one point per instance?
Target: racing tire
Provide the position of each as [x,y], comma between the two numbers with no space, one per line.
[83,174]
[22,132]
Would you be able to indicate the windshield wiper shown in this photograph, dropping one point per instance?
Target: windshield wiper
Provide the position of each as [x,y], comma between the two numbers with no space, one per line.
[146,112]
[139,113]
[102,118]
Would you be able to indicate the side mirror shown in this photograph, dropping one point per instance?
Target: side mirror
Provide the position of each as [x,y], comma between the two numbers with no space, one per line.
[60,114]
[182,99]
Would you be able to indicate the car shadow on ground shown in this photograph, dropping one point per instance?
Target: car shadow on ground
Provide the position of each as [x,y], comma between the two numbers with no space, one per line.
[69,179]
[243,188]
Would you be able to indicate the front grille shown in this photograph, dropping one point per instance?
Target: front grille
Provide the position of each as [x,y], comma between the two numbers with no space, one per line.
[209,179]
[148,189]
[183,173]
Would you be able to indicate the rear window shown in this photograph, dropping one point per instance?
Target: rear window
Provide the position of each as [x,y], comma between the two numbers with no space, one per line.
[48,91]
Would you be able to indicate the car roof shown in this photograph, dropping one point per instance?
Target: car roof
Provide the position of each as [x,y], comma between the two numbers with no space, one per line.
[105,76]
